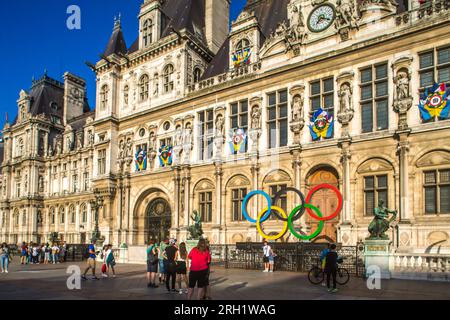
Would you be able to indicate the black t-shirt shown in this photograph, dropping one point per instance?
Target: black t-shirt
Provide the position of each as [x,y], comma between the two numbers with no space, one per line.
[331,262]
[170,253]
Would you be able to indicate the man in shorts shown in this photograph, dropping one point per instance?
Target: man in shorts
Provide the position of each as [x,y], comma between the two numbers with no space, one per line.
[91,262]
[162,257]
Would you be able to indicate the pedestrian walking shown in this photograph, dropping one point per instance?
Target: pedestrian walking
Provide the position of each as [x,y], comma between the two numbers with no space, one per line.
[110,260]
[91,261]
[200,259]
[47,252]
[171,253]
[331,267]
[23,253]
[64,251]
[182,263]
[152,264]
[104,266]
[4,257]
[55,252]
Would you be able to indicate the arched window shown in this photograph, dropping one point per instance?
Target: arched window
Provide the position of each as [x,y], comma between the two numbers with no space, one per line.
[147,32]
[143,87]
[241,55]
[167,78]
[83,214]
[72,214]
[197,74]
[62,215]
[104,92]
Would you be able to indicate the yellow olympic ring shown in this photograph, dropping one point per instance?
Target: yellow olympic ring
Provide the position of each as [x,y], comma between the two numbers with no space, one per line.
[277,236]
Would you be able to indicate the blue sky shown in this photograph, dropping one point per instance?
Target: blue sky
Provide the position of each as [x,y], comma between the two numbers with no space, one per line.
[34,38]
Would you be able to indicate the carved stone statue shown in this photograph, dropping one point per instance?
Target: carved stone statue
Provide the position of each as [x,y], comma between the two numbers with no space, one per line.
[58,146]
[297,108]
[297,24]
[256,117]
[69,144]
[402,83]
[178,137]
[121,149]
[126,94]
[152,141]
[196,229]
[129,149]
[90,137]
[345,98]
[346,14]
[380,223]
[80,140]
[50,150]
[187,143]
[220,124]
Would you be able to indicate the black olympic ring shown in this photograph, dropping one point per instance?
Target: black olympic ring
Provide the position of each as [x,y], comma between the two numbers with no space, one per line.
[300,211]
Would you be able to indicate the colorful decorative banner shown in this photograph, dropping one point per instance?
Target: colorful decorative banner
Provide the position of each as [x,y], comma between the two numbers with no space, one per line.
[435,102]
[141,160]
[322,125]
[237,141]
[165,156]
[241,57]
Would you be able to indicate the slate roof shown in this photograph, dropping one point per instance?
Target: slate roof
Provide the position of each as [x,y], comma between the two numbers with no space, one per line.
[116,43]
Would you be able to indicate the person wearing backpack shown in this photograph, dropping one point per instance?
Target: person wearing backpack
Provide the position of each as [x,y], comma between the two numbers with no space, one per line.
[152,264]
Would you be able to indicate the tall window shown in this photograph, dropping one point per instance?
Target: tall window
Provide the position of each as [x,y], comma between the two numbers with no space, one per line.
[85,181]
[144,87]
[102,162]
[206,134]
[374,98]
[239,117]
[104,93]
[237,197]
[52,215]
[205,205]
[167,78]
[147,32]
[322,95]
[197,75]
[75,183]
[72,214]
[282,203]
[434,66]
[84,214]
[18,191]
[277,122]
[165,142]
[375,189]
[62,215]
[437,191]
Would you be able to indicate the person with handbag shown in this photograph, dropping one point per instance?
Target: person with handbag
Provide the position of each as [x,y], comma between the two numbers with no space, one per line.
[171,254]
[182,263]
[152,264]
[103,256]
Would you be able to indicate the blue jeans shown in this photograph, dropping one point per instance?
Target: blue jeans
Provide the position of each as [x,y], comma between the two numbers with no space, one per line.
[4,261]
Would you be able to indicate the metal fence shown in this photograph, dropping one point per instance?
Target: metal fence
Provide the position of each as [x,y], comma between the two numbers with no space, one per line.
[295,257]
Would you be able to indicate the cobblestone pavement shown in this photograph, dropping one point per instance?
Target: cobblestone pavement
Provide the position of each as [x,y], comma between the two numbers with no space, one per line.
[49,282]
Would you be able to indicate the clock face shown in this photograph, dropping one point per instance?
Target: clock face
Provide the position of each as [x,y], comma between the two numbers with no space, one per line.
[321,18]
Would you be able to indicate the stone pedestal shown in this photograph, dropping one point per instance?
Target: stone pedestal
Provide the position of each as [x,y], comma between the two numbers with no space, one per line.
[123,253]
[378,253]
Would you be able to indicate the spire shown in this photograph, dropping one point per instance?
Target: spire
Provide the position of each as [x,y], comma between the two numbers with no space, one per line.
[117,22]
[116,43]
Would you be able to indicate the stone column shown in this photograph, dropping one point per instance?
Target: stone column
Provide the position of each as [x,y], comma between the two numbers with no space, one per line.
[297,166]
[77,223]
[403,151]
[187,193]
[176,198]
[256,202]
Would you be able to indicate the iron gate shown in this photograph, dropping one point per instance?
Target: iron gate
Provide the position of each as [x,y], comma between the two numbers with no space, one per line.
[295,257]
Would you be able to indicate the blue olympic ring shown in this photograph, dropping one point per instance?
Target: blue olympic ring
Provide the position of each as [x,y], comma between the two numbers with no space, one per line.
[245,202]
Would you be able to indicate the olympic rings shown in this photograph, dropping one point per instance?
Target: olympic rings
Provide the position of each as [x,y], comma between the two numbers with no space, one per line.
[301,209]
[317,188]
[291,225]
[245,203]
[295,214]
[277,236]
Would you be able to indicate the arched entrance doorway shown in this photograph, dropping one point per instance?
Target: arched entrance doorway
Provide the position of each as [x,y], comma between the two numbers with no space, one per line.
[158,220]
[326,200]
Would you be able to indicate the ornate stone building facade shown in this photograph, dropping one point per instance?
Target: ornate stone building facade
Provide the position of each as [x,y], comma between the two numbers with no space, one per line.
[157,146]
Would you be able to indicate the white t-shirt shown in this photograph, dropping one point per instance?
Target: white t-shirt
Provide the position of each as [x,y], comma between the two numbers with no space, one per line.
[267,251]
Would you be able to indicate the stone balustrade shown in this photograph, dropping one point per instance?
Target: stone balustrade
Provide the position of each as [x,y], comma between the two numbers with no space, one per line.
[421,262]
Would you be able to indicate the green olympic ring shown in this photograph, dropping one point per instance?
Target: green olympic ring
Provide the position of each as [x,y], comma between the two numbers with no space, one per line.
[291,224]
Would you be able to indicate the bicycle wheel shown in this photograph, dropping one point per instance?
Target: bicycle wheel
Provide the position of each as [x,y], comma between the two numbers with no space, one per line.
[315,275]
[342,276]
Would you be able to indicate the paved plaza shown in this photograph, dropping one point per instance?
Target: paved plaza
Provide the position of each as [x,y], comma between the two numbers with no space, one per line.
[49,282]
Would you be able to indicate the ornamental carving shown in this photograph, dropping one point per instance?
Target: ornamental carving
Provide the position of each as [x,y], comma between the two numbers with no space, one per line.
[346,18]
[297,111]
[402,96]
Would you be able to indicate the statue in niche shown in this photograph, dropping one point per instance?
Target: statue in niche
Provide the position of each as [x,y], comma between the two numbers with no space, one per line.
[256,118]
[121,149]
[41,184]
[58,146]
[178,137]
[220,124]
[155,85]
[297,108]
[69,144]
[80,140]
[297,24]
[91,137]
[187,143]
[345,97]
[152,141]
[129,149]
[50,150]
[402,85]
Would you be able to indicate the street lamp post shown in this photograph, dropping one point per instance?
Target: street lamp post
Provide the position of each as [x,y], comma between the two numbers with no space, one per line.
[96,205]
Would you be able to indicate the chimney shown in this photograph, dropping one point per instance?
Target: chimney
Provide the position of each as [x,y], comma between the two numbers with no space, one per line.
[74,96]
[217,16]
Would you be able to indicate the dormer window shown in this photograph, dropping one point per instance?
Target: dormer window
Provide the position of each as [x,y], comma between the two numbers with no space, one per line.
[147,34]
[143,87]
[242,53]
[167,78]
[104,97]
[54,106]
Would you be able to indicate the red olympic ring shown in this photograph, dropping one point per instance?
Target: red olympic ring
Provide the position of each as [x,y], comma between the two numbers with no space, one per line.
[317,188]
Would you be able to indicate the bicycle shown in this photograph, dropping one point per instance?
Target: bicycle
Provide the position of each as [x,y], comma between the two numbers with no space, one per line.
[316,275]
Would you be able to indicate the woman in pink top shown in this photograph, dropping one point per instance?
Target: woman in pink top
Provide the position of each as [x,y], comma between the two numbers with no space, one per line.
[198,275]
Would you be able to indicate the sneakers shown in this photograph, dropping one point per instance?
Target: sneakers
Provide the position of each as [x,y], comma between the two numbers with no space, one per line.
[83,277]
[266,270]
[271,271]
[6,271]
[104,275]
[180,292]
[333,290]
